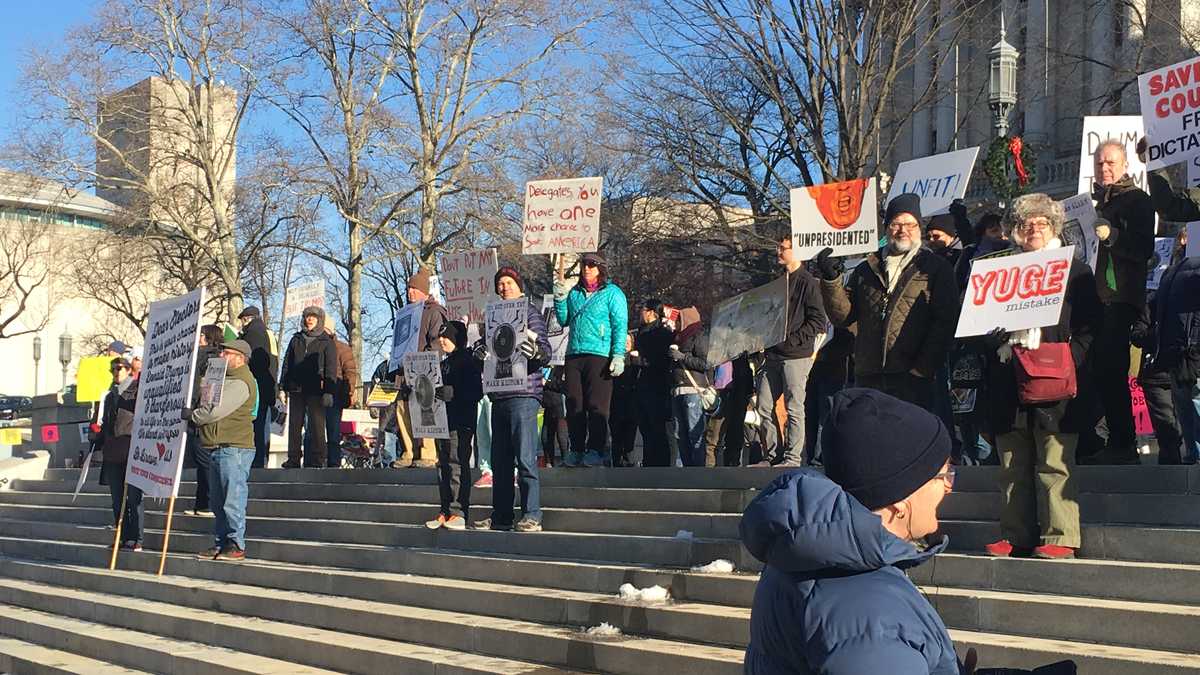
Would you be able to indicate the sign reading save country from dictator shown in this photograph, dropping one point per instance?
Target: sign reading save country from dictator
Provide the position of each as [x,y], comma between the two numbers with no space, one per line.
[842,216]
[1171,112]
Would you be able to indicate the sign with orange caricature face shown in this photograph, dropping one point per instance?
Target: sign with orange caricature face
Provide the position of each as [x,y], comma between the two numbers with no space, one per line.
[842,216]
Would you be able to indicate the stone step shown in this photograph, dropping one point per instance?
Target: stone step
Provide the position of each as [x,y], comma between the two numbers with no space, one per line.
[288,622]
[1145,479]
[1125,509]
[1014,651]
[27,658]
[1101,542]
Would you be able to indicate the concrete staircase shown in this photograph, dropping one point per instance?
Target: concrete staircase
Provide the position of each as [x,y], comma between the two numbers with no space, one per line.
[343,577]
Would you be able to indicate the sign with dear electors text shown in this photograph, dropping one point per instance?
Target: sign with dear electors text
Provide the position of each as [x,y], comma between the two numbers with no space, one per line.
[468,280]
[842,216]
[1015,292]
[164,389]
[1171,113]
[562,216]
[1126,129]
[938,179]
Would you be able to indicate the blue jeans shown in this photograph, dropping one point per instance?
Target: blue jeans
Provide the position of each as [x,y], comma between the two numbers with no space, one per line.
[1187,409]
[262,437]
[515,441]
[483,435]
[387,451]
[228,475]
[689,428]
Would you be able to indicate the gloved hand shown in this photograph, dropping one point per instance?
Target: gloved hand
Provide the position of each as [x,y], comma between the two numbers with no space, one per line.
[327,400]
[995,339]
[479,351]
[185,414]
[528,348]
[830,268]
[675,354]
[1105,231]
[444,393]
[561,288]
[616,366]
[958,209]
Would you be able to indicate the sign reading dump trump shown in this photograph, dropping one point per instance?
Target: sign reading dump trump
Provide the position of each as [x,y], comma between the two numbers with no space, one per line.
[842,216]
[561,216]
[1015,292]
[938,179]
[1171,112]
[1125,129]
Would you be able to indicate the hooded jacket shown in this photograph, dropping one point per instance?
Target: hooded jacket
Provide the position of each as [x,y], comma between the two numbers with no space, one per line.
[310,362]
[598,321]
[263,364]
[1122,259]
[461,371]
[690,372]
[833,598]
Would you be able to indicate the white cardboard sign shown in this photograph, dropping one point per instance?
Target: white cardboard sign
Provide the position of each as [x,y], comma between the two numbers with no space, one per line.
[1015,292]
[165,389]
[555,332]
[1079,228]
[1099,128]
[423,372]
[1163,247]
[468,280]
[842,216]
[506,370]
[1171,113]
[296,298]
[406,333]
[562,216]
[938,179]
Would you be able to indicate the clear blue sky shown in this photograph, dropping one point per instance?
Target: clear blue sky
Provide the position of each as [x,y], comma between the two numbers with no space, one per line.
[28,26]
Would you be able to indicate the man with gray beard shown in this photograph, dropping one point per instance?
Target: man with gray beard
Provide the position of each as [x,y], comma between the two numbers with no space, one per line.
[904,301]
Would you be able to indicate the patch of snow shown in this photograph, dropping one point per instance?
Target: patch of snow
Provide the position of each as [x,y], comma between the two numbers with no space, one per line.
[654,594]
[684,534]
[605,629]
[715,567]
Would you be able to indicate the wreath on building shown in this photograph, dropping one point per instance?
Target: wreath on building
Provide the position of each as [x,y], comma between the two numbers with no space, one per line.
[1010,167]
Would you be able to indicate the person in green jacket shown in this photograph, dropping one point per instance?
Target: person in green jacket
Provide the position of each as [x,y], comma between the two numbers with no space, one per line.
[597,314]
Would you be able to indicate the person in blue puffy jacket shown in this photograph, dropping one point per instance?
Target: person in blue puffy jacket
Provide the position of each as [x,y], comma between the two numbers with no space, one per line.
[833,598]
[597,314]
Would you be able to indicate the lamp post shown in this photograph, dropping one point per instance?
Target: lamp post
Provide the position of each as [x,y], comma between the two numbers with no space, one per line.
[64,355]
[1002,83]
[37,358]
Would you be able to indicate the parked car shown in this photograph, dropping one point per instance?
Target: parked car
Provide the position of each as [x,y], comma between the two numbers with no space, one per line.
[11,407]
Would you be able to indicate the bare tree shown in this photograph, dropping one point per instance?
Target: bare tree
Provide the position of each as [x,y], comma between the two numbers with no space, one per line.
[25,268]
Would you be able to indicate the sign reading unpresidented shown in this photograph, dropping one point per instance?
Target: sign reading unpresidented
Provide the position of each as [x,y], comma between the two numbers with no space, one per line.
[842,216]
[468,280]
[562,216]
[423,372]
[1079,228]
[296,298]
[1015,292]
[1126,129]
[165,388]
[506,370]
[1171,112]
[938,179]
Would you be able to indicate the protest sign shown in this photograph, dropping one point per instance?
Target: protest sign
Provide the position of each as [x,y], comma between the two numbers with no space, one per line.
[164,389]
[1171,113]
[1142,425]
[841,216]
[938,179]
[1015,292]
[10,436]
[555,332]
[562,216]
[1159,262]
[1079,228]
[213,382]
[468,280]
[1099,128]
[406,333]
[296,298]
[505,369]
[93,378]
[381,396]
[423,372]
[749,323]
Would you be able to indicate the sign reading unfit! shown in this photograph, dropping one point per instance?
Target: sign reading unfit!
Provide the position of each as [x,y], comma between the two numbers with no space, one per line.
[841,216]
[1171,112]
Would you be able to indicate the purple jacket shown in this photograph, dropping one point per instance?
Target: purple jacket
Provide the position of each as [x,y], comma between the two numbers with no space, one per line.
[533,389]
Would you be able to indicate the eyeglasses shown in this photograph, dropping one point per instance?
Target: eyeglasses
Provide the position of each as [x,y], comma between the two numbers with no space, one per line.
[1040,225]
[947,476]
[896,227]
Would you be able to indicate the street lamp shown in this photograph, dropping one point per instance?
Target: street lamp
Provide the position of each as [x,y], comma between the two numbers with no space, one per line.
[1002,85]
[37,357]
[64,355]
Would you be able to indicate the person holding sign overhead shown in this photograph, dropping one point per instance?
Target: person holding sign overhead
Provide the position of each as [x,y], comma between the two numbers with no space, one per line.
[905,302]
[597,313]
[1037,430]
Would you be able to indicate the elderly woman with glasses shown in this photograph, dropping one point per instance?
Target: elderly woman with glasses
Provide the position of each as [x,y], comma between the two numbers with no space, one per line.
[1037,441]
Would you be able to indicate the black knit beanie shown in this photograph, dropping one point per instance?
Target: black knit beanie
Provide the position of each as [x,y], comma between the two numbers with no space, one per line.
[945,223]
[456,332]
[881,449]
[905,203]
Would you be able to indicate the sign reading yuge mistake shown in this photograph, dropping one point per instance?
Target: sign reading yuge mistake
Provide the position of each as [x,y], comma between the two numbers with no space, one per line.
[1171,112]
[561,216]
[841,216]
[165,388]
[1015,292]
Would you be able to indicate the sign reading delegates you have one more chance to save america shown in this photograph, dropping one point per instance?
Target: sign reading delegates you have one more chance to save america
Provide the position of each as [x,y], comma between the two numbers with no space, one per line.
[842,216]
[562,216]
[938,179]
[1170,99]
[1015,292]
[469,282]
[164,389]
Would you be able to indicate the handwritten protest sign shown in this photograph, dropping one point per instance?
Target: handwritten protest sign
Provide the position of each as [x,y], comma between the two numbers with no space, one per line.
[1142,425]
[938,179]
[423,372]
[842,216]
[296,298]
[93,378]
[1015,292]
[555,332]
[562,216]
[468,280]
[505,369]
[1079,228]
[1171,113]
[406,333]
[1163,247]
[750,322]
[156,448]
[1099,128]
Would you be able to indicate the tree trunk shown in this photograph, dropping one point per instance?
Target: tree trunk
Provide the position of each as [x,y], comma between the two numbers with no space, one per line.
[354,278]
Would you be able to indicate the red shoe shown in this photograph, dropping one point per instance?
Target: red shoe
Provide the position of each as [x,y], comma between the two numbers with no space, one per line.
[999,549]
[484,481]
[1052,552]
[542,462]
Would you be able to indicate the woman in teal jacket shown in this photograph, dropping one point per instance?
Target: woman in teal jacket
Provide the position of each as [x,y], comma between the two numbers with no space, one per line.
[597,314]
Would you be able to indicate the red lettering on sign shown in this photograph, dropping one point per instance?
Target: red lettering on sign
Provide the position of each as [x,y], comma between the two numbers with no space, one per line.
[1029,281]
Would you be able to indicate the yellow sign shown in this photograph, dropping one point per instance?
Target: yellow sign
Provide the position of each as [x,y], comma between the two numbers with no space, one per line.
[93,378]
[10,436]
[380,397]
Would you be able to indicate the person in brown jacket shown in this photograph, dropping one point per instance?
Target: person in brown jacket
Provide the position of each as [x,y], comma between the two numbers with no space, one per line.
[348,380]
[904,301]
[433,317]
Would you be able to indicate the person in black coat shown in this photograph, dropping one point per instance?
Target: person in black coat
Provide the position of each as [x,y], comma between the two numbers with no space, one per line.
[649,356]
[309,378]
[264,366]
[622,421]
[689,377]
